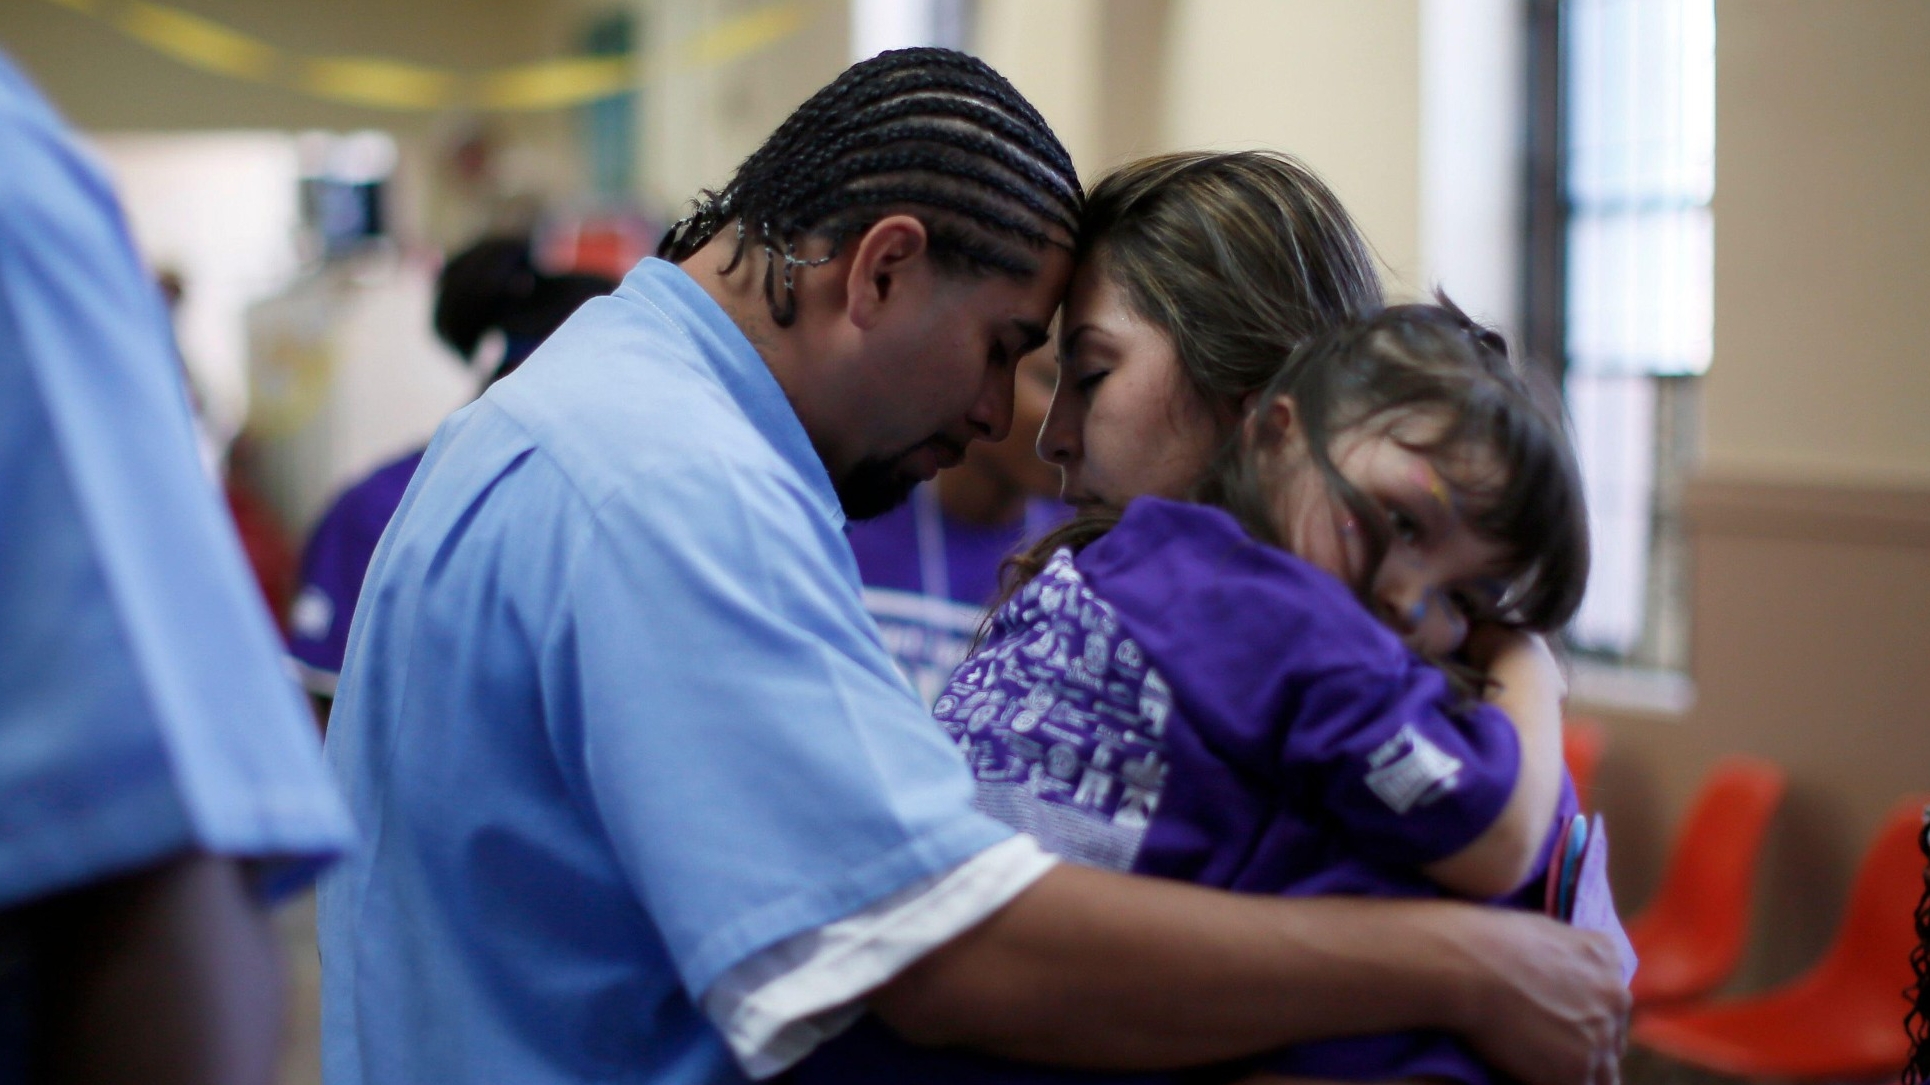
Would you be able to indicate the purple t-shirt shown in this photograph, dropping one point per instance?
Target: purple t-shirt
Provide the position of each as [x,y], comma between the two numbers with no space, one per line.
[1181,700]
[336,560]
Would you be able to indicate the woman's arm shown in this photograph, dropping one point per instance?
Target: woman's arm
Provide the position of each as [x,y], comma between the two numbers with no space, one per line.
[1111,971]
[1528,689]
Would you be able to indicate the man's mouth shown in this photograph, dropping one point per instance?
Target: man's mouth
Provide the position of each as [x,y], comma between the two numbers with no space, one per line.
[946,452]
[931,457]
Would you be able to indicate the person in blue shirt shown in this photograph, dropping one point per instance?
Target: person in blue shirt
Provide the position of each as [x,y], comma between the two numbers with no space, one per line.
[493,286]
[160,784]
[646,798]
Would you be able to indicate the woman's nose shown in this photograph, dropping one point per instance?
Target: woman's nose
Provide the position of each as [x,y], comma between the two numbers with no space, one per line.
[1059,437]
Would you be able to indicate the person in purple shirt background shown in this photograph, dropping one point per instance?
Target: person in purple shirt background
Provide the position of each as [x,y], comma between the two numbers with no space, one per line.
[931,566]
[1325,685]
[491,286]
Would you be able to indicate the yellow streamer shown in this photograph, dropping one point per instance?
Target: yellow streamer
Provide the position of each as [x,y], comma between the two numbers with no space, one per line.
[378,83]
[199,42]
[557,83]
[746,34]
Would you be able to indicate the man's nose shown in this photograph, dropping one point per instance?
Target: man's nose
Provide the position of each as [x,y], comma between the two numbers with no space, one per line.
[991,416]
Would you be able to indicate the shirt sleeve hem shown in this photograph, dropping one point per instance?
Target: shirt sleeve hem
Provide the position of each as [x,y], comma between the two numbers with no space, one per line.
[779,1005]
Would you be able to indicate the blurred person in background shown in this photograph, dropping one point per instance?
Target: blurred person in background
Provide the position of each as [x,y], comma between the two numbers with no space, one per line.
[931,565]
[160,785]
[493,307]
[265,541]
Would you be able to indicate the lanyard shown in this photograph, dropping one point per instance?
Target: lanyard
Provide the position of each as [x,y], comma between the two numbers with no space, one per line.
[934,571]
[934,575]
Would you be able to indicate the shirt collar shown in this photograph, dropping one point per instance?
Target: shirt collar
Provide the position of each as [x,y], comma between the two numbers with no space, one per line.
[742,372]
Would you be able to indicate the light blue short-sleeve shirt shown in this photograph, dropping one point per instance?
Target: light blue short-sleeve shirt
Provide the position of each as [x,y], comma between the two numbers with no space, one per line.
[614,719]
[144,709]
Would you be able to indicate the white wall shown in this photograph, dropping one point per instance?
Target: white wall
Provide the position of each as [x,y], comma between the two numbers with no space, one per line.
[220,209]
[1473,155]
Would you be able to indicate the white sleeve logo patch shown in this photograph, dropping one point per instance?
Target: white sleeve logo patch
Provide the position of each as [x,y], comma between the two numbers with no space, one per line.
[313,613]
[1409,771]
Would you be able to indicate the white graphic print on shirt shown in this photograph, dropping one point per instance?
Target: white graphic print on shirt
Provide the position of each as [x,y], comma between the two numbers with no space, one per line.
[1063,722]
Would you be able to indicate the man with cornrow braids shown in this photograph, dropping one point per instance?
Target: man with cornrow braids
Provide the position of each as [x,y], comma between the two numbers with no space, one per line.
[644,797]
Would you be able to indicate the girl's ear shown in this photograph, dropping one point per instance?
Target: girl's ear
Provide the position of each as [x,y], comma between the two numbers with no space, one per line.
[1282,414]
[1271,425]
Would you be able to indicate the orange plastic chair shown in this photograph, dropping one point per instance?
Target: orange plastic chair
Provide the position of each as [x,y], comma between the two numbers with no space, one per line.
[1582,744]
[1691,936]
[1843,1019]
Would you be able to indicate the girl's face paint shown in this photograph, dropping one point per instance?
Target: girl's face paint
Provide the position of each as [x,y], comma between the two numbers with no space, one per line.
[1427,478]
[1439,575]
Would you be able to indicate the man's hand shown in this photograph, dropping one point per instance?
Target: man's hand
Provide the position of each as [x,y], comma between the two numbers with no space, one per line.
[1113,972]
[1552,1009]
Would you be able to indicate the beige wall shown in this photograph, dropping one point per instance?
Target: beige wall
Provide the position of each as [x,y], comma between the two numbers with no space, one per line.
[1337,83]
[1811,525]
[1822,336]
[1051,51]
[701,121]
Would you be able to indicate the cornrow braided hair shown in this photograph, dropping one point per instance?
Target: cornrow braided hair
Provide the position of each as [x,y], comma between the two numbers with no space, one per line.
[932,131]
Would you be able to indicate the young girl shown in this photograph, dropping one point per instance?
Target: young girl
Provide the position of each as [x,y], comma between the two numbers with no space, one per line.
[1320,680]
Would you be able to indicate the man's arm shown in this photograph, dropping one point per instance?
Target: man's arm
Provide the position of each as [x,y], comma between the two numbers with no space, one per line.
[1110,971]
[169,975]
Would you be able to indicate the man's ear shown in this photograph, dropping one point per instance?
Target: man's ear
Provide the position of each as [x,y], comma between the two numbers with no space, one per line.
[884,255]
